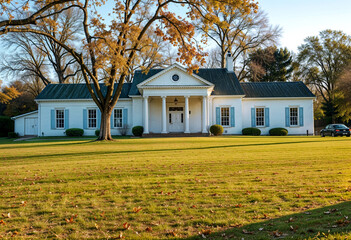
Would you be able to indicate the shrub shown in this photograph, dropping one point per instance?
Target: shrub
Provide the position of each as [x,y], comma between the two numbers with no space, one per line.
[138,131]
[12,135]
[278,132]
[251,131]
[97,132]
[216,130]
[6,126]
[74,132]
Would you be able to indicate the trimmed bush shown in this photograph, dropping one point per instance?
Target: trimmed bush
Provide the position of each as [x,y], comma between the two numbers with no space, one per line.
[74,132]
[97,132]
[251,131]
[216,130]
[13,135]
[138,131]
[6,125]
[278,132]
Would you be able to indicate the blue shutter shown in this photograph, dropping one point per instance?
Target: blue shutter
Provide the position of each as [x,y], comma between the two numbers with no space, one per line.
[66,119]
[85,115]
[301,116]
[53,119]
[218,115]
[98,115]
[112,124]
[253,117]
[232,117]
[124,117]
[266,116]
[287,117]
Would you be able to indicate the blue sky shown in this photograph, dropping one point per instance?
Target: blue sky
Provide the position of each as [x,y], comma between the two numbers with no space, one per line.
[302,18]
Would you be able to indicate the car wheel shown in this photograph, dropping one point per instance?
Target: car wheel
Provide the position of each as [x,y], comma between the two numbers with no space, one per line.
[333,134]
[322,134]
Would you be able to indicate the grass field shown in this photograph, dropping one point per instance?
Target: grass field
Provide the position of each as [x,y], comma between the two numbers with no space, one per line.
[191,188]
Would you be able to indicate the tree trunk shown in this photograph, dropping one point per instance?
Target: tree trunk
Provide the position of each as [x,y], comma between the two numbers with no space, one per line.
[105,126]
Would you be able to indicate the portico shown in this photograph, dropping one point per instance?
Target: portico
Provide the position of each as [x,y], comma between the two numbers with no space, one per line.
[175,114]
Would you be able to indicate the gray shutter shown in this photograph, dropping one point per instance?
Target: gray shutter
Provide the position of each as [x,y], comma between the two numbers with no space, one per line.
[98,115]
[301,116]
[66,119]
[218,115]
[266,116]
[253,117]
[124,117]
[85,121]
[232,117]
[53,125]
[287,117]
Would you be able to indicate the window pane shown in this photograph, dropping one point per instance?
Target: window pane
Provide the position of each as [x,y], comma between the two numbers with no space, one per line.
[225,116]
[293,117]
[92,118]
[60,118]
[259,117]
[117,118]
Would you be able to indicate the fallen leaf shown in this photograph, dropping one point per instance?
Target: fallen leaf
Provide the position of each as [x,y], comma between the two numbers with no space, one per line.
[126,226]
[71,220]
[137,209]
[247,232]
[206,231]
[238,205]
[120,236]
[2,222]
[148,229]
[96,226]
[276,233]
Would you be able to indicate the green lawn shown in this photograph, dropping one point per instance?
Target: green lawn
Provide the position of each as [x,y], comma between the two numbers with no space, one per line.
[221,187]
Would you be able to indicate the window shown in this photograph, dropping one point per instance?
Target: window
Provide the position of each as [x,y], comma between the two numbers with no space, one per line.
[294,116]
[91,118]
[260,117]
[117,117]
[60,118]
[225,116]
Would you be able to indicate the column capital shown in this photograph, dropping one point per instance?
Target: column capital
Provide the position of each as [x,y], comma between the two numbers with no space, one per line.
[145,97]
[163,96]
[187,96]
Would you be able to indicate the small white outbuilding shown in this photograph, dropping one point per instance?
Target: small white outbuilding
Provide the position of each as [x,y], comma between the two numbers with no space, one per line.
[26,124]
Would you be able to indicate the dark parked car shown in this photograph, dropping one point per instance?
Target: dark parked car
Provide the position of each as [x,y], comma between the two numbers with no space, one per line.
[335,130]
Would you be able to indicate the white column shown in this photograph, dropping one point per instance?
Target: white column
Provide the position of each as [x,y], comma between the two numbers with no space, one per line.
[204,115]
[186,111]
[164,115]
[146,115]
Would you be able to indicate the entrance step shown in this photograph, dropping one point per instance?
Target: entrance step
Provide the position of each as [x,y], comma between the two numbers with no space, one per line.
[158,135]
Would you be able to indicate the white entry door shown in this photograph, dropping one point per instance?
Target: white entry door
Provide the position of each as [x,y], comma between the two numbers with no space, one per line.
[176,119]
[31,126]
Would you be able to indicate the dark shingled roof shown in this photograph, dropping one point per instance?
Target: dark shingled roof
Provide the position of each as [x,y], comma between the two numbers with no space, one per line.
[75,91]
[225,83]
[276,89]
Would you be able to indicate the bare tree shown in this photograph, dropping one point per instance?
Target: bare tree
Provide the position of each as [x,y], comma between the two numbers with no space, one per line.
[239,33]
[39,56]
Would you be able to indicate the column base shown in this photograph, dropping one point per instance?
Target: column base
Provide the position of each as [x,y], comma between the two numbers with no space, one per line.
[204,132]
[164,132]
[187,132]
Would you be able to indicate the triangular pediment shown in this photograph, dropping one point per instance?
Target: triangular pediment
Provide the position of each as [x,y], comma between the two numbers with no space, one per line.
[174,76]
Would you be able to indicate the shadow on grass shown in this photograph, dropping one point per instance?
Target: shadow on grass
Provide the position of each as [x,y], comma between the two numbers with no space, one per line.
[334,220]
[104,152]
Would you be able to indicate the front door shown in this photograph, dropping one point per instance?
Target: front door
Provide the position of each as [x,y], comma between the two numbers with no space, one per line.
[176,119]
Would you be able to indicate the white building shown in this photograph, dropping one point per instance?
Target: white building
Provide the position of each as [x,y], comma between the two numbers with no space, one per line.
[173,101]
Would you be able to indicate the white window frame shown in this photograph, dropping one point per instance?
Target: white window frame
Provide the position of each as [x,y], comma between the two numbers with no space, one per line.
[263,116]
[221,107]
[88,122]
[114,118]
[63,118]
[297,116]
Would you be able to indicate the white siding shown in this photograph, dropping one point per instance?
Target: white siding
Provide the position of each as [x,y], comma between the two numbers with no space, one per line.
[277,114]
[20,123]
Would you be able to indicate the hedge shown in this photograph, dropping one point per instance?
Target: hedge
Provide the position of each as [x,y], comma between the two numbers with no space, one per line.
[6,125]
[138,131]
[251,131]
[278,132]
[13,135]
[97,132]
[74,132]
[216,130]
